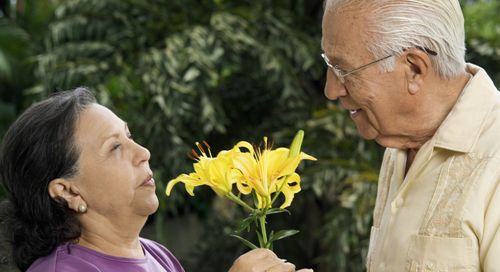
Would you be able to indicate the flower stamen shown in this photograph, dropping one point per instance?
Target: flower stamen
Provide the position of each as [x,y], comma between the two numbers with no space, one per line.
[193,155]
[208,147]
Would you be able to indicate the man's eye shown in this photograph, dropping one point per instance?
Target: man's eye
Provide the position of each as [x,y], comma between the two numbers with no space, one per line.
[342,71]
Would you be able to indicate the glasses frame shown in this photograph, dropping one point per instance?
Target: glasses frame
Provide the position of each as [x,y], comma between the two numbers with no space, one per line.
[341,74]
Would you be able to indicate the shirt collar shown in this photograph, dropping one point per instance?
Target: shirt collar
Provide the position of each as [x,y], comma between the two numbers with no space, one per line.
[463,125]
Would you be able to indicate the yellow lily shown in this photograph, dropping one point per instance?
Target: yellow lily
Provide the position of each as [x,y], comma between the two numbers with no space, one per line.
[218,173]
[264,173]
[268,171]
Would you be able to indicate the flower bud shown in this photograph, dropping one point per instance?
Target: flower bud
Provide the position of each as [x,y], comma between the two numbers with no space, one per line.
[296,144]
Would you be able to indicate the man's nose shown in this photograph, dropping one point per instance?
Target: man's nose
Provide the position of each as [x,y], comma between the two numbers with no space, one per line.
[333,87]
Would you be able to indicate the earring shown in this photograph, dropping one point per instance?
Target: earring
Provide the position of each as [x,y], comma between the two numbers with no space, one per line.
[82,208]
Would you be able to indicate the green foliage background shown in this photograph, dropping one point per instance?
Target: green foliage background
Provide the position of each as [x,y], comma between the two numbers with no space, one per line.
[181,71]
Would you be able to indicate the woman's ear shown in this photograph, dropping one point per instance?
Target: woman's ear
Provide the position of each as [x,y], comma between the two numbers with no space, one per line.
[418,65]
[62,188]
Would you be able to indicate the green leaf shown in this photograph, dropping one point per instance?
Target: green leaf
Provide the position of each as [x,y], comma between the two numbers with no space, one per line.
[270,241]
[5,68]
[245,241]
[277,210]
[282,234]
[245,224]
[191,74]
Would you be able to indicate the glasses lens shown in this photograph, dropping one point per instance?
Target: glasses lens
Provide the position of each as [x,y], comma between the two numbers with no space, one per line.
[338,73]
[335,70]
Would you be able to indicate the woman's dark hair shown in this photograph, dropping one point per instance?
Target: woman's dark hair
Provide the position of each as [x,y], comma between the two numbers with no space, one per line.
[38,148]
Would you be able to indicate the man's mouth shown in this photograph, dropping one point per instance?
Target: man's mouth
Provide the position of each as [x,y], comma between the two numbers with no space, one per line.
[354,111]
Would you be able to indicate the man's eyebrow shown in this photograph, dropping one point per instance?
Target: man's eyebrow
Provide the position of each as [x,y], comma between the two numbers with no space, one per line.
[338,60]
[335,60]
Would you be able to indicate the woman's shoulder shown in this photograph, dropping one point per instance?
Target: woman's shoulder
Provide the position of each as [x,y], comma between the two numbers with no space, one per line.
[72,258]
[63,258]
[161,254]
[152,245]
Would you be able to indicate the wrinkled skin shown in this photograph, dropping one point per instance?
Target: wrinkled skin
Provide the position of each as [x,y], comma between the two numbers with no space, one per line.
[263,260]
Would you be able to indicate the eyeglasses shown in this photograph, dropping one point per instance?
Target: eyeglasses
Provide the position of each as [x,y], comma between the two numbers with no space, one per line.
[341,74]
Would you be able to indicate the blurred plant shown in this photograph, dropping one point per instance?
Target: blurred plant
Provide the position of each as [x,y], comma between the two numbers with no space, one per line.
[184,70]
[13,50]
[482,29]
[181,70]
[262,173]
[214,72]
[21,31]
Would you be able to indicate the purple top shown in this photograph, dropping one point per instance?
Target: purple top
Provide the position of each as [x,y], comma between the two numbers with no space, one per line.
[70,257]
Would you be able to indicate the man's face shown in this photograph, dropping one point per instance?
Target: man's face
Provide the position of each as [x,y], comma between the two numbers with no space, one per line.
[377,101]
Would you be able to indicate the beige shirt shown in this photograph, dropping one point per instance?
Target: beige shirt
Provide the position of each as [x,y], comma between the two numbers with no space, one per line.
[445,214]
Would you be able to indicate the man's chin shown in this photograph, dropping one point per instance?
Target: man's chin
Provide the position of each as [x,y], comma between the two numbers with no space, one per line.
[368,134]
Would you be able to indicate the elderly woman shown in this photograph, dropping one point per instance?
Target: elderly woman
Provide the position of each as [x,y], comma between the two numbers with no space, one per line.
[79,190]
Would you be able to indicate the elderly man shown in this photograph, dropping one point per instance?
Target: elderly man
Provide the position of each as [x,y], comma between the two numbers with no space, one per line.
[398,68]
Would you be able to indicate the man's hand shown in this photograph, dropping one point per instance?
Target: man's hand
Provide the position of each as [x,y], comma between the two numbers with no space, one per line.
[262,260]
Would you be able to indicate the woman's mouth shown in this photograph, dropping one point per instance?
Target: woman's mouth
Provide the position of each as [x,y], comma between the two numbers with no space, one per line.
[149,182]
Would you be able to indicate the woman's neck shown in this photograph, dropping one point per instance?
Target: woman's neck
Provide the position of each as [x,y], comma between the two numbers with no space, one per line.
[131,249]
[114,238]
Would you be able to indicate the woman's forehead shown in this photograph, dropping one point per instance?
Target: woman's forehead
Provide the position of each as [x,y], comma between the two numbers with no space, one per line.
[97,122]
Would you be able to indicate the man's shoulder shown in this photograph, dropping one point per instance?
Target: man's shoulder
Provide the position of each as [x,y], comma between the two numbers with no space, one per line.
[487,143]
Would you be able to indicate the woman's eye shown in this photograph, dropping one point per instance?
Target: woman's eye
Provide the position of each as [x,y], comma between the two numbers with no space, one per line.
[115,147]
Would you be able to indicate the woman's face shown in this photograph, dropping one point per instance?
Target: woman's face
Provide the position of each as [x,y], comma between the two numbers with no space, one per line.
[113,178]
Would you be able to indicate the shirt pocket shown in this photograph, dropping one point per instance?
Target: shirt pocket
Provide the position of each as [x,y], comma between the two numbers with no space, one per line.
[443,254]
[371,246]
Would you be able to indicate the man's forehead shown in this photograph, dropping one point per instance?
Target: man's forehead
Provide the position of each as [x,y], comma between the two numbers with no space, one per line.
[343,37]
[335,53]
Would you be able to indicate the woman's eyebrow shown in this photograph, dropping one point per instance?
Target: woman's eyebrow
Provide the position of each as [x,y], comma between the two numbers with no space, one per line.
[115,134]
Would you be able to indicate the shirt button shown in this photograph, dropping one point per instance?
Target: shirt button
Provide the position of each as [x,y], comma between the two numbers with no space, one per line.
[395,205]
[399,202]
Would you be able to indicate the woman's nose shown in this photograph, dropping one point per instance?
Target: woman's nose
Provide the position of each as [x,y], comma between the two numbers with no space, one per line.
[142,154]
[333,87]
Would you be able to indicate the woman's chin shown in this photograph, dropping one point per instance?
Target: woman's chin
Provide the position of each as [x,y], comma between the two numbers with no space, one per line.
[149,206]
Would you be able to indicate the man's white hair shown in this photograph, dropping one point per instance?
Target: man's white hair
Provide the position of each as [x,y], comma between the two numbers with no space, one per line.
[396,25]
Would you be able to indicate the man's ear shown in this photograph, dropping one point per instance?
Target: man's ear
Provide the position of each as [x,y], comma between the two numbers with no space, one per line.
[418,65]
[62,188]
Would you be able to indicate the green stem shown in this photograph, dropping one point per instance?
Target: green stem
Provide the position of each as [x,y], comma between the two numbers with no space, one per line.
[262,219]
[236,199]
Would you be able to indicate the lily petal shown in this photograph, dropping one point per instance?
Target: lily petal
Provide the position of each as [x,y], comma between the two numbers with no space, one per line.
[190,181]
[289,190]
